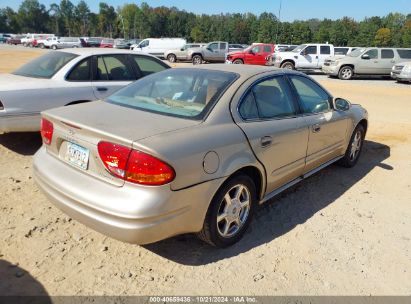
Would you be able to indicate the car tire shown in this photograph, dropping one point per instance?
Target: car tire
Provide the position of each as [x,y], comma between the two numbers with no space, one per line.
[354,148]
[171,58]
[197,59]
[238,61]
[346,73]
[54,47]
[226,222]
[288,65]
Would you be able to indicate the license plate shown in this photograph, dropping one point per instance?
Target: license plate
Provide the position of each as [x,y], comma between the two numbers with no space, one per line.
[77,155]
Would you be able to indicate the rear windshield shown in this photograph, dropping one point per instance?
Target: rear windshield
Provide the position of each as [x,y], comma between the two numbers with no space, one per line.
[187,93]
[405,54]
[45,66]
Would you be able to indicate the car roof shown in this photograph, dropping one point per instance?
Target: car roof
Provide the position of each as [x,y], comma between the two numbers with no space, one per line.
[245,70]
[97,51]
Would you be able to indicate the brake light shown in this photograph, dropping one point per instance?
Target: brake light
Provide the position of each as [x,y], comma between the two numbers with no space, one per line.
[46,130]
[134,166]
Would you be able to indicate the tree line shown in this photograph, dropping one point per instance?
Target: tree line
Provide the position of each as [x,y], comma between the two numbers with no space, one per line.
[133,21]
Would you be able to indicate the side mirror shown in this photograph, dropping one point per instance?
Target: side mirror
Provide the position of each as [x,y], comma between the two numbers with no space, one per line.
[182,49]
[365,56]
[341,104]
[303,52]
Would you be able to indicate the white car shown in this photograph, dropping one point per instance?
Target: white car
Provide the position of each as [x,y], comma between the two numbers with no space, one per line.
[63,78]
[402,72]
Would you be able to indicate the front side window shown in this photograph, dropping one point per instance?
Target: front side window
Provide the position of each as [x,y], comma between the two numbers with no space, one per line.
[340,51]
[256,49]
[311,50]
[148,65]
[45,66]
[213,46]
[270,98]
[267,49]
[387,54]
[144,43]
[313,98]
[373,54]
[188,93]
[81,72]
[114,68]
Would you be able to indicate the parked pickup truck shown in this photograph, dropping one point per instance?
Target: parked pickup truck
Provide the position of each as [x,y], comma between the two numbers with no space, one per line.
[215,51]
[304,57]
[254,54]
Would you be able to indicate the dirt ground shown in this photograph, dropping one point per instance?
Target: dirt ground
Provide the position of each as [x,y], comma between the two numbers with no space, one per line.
[341,232]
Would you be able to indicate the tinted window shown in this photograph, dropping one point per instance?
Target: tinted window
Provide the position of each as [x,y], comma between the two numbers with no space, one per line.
[248,108]
[144,43]
[387,54]
[114,68]
[325,49]
[372,53]
[223,46]
[177,92]
[148,65]
[311,50]
[313,98]
[81,72]
[340,51]
[273,98]
[45,66]
[267,49]
[406,54]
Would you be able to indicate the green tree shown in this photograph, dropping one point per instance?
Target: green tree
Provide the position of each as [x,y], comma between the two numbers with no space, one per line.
[33,17]
[67,14]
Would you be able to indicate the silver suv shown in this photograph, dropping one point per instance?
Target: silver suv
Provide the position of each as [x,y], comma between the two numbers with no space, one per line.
[366,61]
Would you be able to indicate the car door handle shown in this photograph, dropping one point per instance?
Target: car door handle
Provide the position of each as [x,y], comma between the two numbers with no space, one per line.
[316,128]
[266,141]
[102,89]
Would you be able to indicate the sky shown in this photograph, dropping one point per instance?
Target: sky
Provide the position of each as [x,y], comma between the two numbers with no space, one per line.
[291,9]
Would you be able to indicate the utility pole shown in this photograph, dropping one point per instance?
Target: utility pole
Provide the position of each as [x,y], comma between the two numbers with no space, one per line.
[278,23]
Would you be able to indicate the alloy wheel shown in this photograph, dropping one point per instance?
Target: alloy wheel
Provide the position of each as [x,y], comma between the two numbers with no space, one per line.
[356,145]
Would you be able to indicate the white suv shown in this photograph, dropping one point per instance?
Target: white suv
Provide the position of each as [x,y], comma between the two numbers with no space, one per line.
[303,57]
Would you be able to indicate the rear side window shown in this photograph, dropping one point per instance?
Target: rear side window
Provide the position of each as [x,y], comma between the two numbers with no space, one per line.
[81,72]
[213,46]
[148,65]
[248,108]
[311,50]
[223,46]
[387,54]
[267,49]
[273,98]
[325,50]
[312,97]
[114,68]
[405,54]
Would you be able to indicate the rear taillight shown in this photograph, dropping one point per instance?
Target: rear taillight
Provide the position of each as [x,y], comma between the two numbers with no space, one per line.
[134,166]
[46,130]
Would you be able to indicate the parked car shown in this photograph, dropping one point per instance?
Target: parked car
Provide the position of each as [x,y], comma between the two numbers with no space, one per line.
[254,54]
[303,57]
[63,42]
[181,54]
[4,37]
[121,44]
[31,39]
[193,150]
[107,43]
[402,72]
[158,46]
[367,61]
[94,41]
[215,51]
[67,77]
[15,39]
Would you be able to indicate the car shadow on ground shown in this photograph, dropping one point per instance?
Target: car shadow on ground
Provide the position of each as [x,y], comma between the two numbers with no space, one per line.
[26,143]
[283,213]
[18,286]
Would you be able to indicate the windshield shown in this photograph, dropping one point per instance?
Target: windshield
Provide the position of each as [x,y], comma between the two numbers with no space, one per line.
[45,66]
[187,93]
[357,52]
[299,48]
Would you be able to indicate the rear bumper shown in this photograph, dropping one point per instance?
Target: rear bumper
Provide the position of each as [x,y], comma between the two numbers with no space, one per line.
[29,122]
[131,213]
[401,76]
